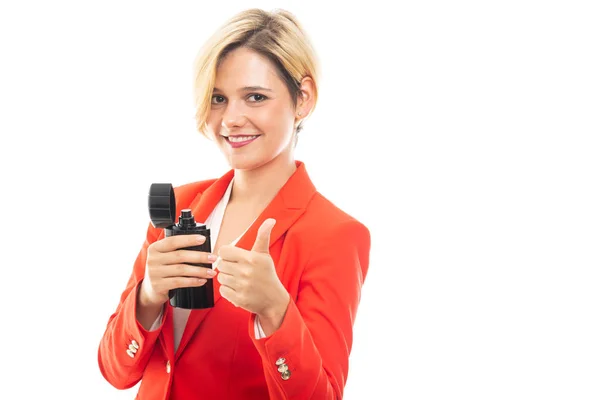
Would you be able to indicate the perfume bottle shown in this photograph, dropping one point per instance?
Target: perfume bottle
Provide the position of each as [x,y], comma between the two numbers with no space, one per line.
[162,209]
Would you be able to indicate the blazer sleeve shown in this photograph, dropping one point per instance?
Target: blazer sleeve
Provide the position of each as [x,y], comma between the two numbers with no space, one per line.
[126,346]
[308,356]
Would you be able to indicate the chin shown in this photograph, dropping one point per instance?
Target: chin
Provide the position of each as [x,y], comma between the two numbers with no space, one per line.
[245,163]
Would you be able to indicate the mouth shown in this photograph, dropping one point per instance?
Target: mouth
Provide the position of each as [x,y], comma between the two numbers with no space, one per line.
[239,141]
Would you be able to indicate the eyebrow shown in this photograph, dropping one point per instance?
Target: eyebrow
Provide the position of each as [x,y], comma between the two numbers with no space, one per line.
[246,89]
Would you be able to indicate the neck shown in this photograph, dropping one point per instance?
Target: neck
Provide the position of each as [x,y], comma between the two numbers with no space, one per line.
[260,185]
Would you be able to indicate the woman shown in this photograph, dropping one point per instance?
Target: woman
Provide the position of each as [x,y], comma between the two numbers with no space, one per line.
[288,265]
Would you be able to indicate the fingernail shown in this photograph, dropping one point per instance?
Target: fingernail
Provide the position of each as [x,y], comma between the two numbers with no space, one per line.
[211,272]
[201,238]
[212,257]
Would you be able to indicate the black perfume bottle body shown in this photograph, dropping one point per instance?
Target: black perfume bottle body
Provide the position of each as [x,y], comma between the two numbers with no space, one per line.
[162,209]
[192,297]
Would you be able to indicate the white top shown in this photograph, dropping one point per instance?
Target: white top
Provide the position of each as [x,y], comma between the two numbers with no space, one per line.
[213,222]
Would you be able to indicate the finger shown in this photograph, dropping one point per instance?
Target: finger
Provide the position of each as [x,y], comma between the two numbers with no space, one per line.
[185,256]
[229,267]
[229,294]
[180,282]
[186,270]
[227,280]
[263,236]
[232,253]
[173,243]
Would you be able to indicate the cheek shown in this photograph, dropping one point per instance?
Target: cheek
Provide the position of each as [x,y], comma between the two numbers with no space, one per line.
[275,120]
[213,122]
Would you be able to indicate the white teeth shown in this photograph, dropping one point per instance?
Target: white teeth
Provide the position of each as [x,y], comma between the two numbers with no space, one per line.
[241,138]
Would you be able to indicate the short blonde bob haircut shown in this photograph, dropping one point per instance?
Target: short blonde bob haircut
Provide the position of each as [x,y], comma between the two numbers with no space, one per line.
[276,35]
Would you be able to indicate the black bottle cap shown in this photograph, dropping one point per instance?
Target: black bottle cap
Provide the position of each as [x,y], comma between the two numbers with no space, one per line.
[186,219]
[161,205]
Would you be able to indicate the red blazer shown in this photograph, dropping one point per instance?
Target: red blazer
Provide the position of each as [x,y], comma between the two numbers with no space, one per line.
[321,256]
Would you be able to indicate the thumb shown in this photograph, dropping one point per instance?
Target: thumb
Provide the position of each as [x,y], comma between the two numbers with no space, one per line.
[263,236]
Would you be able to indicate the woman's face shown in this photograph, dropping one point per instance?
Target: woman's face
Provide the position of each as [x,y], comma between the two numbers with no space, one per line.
[252,116]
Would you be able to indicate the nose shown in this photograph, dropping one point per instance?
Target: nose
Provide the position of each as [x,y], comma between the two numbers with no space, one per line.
[234,115]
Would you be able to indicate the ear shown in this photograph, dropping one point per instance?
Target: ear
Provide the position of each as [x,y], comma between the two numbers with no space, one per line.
[306,98]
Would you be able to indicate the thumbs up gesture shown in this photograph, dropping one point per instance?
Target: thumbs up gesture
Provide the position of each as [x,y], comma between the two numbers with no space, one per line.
[248,279]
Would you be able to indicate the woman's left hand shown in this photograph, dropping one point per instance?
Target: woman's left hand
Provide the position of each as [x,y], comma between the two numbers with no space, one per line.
[248,278]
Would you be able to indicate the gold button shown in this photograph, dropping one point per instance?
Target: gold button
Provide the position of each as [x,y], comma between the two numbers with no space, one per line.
[130,353]
[280,361]
[282,368]
[286,375]
[135,344]
[132,348]
[168,367]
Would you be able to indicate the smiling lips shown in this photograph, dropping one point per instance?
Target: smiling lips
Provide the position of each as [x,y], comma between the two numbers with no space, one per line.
[239,141]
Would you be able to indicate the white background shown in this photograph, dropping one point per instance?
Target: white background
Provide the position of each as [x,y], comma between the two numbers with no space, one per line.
[465,135]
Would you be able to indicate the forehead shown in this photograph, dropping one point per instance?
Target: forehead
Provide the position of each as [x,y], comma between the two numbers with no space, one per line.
[244,67]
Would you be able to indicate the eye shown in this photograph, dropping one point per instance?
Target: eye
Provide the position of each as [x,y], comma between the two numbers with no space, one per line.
[216,99]
[258,97]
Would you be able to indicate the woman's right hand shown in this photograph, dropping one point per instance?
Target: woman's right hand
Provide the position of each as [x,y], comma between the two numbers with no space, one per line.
[166,268]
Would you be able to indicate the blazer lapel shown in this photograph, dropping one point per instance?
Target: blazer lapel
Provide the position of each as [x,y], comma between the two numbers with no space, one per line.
[286,207]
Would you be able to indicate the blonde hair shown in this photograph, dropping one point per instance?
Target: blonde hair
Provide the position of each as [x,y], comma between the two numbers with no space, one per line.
[276,35]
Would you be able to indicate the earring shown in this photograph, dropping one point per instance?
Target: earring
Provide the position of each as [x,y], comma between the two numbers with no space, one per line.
[300,114]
